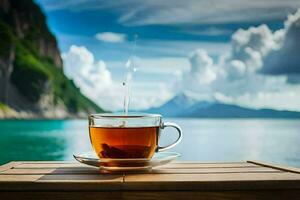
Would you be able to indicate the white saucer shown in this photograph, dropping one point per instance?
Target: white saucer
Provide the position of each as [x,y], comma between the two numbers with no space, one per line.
[108,164]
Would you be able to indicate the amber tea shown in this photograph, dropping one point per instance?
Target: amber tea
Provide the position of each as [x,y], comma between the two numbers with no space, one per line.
[128,136]
[124,142]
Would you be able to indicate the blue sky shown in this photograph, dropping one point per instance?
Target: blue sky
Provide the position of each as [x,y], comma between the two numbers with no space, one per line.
[169,35]
[79,26]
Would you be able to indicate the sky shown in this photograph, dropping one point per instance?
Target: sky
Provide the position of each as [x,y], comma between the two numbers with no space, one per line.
[238,52]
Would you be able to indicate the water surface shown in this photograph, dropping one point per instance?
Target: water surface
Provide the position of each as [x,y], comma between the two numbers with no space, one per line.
[276,141]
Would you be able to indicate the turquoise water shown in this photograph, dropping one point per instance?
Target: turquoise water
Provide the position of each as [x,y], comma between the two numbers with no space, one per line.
[276,141]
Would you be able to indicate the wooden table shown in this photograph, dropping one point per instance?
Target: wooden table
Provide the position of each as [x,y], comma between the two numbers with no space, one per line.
[185,180]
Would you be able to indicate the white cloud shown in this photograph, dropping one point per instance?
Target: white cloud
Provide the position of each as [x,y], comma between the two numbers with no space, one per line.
[202,69]
[147,12]
[146,48]
[237,77]
[203,12]
[111,37]
[236,69]
[79,64]
[149,94]
[91,76]
[181,48]
[287,99]
[286,59]
[210,31]
[157,65]
[95,81]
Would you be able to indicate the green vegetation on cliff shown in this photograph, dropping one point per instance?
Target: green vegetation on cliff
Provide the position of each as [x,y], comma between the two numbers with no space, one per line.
[33,74]
[36,69]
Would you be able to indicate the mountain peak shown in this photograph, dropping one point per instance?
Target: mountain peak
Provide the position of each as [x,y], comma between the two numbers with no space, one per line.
[187,105]
[180,104]
[183,98]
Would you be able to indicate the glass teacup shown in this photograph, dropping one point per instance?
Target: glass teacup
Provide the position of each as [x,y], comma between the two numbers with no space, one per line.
[129,136]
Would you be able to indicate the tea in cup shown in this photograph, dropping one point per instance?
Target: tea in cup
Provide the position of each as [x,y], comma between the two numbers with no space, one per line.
[128,136]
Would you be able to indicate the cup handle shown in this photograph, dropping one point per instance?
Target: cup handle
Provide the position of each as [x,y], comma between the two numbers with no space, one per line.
[173,125]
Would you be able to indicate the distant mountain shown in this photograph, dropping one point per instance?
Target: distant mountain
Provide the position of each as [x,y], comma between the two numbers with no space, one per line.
[32,82]
[175,106]
[184,106]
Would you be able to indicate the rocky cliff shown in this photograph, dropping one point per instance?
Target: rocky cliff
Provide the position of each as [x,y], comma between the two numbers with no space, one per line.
[32,83]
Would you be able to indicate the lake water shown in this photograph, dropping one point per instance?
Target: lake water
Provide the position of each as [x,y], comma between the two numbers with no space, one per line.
[275,141]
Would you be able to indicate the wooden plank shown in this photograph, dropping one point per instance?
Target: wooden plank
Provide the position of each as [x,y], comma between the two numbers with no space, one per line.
[208,162]
[66,182]
[48,165]
[62,170]
[211,177]
[283,168]
[209,165]
[91,170]
[82,178]
[51,162]
[151,182]
[171,165]
[212,181]
[70,186]
[19,178]
[234,195]
[20,171]
[9,166]
[71,177]
[153,195]
[210,170]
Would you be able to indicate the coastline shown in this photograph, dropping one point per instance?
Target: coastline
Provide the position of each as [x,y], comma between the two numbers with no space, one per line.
[11,114]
